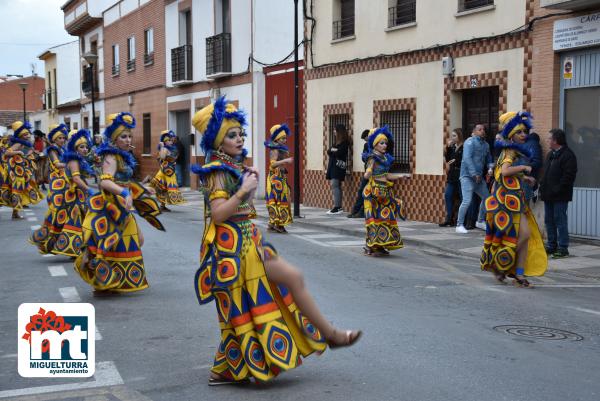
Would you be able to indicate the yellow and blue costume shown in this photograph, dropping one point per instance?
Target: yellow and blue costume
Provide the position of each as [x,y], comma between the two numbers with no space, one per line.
[70,239]
[56,215]
[505,208]
[19,188]
[382,209]
[4,171]
[111,257]
[278,190]
[165,180]
[262,330]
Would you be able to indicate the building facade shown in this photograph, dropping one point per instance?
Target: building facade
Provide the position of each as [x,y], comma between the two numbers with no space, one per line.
[421,67]
[62,94]
[566,94]
[14,102]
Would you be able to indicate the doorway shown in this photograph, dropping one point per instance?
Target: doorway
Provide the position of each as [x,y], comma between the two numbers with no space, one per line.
[481,106]
[182,130]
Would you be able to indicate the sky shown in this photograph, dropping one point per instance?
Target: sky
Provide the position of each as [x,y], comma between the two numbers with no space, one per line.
[28,28]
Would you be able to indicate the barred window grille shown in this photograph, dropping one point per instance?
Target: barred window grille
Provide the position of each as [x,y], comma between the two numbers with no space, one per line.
[404,12]
[398,122]
[343,119]
[465,5]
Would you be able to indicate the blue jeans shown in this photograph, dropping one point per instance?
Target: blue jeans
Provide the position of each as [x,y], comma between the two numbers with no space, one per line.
[452,188]
[179,175]
[468,187]
[556,221]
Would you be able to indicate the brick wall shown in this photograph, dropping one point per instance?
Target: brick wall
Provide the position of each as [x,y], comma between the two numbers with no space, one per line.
[150,15]
[11,94]
[149,101]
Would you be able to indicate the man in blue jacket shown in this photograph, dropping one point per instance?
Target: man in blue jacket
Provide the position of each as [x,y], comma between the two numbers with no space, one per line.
[476,157]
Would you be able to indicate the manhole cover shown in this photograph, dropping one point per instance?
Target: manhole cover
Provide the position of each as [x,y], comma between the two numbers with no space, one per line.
[539,333]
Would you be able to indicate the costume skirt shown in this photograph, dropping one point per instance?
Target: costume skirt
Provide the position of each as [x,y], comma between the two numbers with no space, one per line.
[501,237]
[262,330]
[165,185]
[70,240]
[381,212]
[111,256]
[56,215]
[19,188]
[278,199]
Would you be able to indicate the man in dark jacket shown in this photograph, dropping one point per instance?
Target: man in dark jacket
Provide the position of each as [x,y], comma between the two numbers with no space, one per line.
[556,190]
[535,161]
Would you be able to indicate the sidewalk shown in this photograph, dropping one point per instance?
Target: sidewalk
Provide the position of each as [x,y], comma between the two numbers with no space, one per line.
[585,258]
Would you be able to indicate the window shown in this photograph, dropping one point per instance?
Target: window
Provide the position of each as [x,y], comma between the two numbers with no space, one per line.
[222,17]
[86,122]
[75,125]
[343,119]
[398,122]
[115,60]
[401,12]
[131,53]
[466,5]
[67,122]
[149,46]
[343,24]
[147,132]
[37,124]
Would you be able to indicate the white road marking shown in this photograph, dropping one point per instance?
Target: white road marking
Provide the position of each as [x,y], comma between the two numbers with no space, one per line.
[314,241]
[7,356]
[98,335]
[48,255]
[558,285]
[106,375]
[32,219]
[346,243]
[593,312]
[325,235]
[69,294]
[36,227]
[57,270]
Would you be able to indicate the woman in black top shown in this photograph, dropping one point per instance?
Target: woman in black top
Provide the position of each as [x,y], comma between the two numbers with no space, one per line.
[336,169]
[453,157]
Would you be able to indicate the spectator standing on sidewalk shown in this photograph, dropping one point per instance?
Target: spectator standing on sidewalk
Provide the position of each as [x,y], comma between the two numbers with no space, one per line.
[453,158]
[556,190]
[336,168]
[476,156]
[180,161]
[358,210]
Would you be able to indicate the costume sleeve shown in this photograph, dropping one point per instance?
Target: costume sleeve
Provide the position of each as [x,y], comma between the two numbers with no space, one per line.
[215,186]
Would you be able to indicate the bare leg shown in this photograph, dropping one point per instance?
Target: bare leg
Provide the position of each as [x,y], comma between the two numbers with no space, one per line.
[140,236]
[280,271]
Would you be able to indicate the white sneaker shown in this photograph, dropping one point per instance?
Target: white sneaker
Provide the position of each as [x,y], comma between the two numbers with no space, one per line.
[461,230]
[480,225]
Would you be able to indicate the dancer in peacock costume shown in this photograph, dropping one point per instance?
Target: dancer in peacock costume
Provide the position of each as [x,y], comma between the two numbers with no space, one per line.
[165,180]
[268,319]
[513,243]
[278,190]
[111,256]
[4,144]
[56,215]
[382,209]
[19,188]
[78,169]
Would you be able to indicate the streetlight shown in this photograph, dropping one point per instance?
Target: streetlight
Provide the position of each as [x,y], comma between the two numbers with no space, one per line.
[91,59]
[23,86]
[296,119]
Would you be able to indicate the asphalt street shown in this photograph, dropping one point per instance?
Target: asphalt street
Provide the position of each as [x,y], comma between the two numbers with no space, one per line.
[435,327]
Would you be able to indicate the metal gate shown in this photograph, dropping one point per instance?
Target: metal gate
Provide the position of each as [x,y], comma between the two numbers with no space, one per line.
[580,119]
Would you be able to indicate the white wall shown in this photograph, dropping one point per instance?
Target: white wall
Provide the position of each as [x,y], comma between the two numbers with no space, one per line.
[74,117]
[433,18]
[274,30]
[241,26]
[68,72]
[97,7]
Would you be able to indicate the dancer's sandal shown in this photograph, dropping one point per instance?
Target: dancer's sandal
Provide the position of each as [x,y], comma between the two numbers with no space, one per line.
[350,338]
[500,277]
[221,380]
[369,251]
[383,252]
[522,282]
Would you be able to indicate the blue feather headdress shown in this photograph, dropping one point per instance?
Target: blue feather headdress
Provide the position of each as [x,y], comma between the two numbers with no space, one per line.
[72,154]
[271,144]
[26,125]
[515,146]
[522,117]
[216,120]
[108,149]
[82,133]
[116,123]
[60,129]
[168,134]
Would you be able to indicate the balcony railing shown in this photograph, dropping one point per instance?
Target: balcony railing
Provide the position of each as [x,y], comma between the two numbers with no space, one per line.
[149,58]
[86,84]
[116,69]
[404,13]
[466,5]
[343,28]
[130,65]
[181,64]
[218,54]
